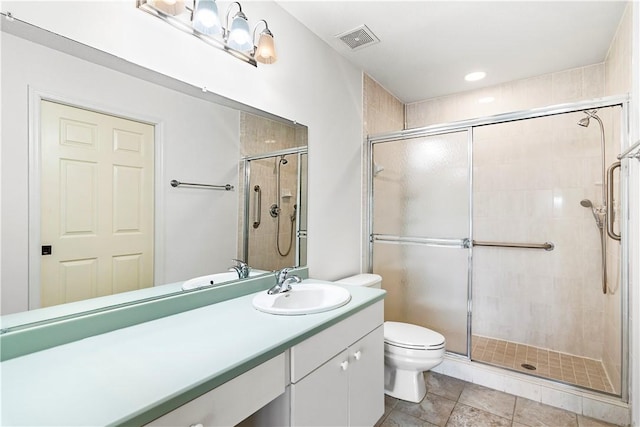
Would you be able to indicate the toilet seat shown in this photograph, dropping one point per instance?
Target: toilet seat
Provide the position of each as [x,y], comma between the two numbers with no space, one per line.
[412,337]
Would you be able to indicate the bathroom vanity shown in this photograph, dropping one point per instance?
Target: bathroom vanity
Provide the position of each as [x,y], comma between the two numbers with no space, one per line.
[214,365]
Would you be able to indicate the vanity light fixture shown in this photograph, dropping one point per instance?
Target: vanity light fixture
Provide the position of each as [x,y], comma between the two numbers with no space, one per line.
[201,19]
[206,19]
[265,50]
[237,36]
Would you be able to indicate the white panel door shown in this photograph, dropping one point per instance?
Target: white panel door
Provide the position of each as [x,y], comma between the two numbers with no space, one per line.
[97,204]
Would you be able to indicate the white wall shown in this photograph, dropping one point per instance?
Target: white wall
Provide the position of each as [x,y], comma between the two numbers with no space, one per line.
[310,83]
[199,140]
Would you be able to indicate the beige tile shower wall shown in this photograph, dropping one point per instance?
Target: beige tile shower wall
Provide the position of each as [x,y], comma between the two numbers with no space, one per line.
[259,135]
[529,178]
[555,88]
[617,82]
[383,112]
[263,252]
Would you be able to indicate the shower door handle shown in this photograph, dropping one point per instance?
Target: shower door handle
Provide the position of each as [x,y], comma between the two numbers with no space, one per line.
[257,206]
[610,210]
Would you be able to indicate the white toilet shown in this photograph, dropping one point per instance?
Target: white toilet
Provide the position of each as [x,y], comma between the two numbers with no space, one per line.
[409,350]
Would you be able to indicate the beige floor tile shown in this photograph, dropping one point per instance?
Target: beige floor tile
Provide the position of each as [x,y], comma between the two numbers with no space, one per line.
[444,386]
[400,419]
[531,413]
[433,409]
[549,364]
[469,416]
[489,400]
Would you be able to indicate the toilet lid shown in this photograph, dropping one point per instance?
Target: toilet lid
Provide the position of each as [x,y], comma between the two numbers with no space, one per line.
[412,336]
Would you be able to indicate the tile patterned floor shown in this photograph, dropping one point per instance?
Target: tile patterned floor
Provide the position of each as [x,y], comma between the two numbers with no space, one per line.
[549,364]
[452,402]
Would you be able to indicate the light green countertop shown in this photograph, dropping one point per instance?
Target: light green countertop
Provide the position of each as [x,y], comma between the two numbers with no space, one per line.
[135,374]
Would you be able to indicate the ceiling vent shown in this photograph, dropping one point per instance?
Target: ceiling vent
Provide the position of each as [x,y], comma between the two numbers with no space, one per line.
[358,38]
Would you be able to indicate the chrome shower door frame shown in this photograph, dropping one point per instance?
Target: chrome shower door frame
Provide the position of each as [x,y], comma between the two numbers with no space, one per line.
[469,126]
[299,233]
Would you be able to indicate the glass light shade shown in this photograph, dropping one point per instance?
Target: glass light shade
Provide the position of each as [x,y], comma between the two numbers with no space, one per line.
[170,7]
[239,34]
[266,50]
[206,19]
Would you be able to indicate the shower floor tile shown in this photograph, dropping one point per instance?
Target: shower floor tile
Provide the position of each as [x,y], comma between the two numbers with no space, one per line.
[550,364]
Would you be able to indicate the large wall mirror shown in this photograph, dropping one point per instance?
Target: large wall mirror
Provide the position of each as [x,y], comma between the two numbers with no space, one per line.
[90,147]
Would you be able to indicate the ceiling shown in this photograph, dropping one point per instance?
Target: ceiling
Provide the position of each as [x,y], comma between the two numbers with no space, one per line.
[427,47]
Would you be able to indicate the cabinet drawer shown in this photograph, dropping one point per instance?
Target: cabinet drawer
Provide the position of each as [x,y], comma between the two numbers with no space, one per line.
[234,400]
[313,352]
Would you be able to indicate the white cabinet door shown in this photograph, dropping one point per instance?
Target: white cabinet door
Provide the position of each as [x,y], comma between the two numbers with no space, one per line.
[366,379]
[321,398]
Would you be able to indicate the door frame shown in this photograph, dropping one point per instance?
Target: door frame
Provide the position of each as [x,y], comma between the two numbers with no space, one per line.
[36,96]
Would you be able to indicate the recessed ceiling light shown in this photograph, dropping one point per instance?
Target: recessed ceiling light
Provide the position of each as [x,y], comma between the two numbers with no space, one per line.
[486,99]
[475,76]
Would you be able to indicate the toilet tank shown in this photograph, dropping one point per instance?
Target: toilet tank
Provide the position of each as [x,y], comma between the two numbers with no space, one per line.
[368,280]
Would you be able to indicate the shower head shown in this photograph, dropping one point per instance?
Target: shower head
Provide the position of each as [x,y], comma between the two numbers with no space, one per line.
[584,122]
[595,211]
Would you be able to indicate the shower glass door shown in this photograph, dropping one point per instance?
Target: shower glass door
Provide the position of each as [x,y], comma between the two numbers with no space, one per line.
[420,226]
[275,210]
[551,313]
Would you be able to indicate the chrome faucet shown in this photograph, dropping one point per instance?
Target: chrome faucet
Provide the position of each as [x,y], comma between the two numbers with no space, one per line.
[284,281]
[241,268]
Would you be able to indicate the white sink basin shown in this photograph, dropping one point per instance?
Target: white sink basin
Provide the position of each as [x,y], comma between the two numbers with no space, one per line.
[215,279]
[307,297]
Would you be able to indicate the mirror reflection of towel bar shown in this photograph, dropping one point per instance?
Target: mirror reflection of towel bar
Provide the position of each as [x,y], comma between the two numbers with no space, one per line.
[176,183]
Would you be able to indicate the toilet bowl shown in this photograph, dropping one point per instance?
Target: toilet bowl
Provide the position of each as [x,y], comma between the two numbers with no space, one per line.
[409,350]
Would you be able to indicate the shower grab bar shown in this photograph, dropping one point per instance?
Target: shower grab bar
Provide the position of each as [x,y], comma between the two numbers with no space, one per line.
[547,246]
[257,206]
[176,183]
[610,211]
[452,243]
[627,153]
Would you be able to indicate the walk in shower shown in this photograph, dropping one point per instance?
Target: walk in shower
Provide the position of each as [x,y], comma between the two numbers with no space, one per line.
[493,232]
[275,219]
